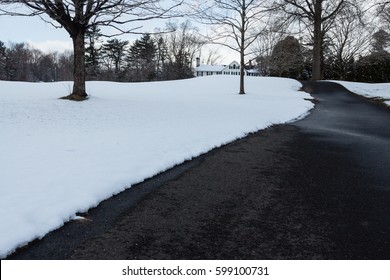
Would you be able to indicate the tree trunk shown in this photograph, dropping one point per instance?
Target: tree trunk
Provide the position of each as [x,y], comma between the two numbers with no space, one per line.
[317,44]
[316,75]
[242,73]
[79,92]
[242,49]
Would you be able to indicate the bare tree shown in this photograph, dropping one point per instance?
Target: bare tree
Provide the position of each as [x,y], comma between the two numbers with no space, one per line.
[181,43]
[383,10]
[274,32]
[77,16]
[237,24]
[64,66]
[213,57]
[318,16]
[349,37]
[183,38]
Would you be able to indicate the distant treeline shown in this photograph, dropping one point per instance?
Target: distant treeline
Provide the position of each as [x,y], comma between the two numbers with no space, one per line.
[166,56]
[170,56]
[21,62]
[365,63]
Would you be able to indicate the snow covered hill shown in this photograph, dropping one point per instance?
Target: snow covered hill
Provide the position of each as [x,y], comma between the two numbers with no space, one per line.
[59,157]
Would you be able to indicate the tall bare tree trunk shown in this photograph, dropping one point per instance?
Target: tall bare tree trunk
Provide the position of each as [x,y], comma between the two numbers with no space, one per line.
[317,38]
[79,91]
[242,49]
[242,73]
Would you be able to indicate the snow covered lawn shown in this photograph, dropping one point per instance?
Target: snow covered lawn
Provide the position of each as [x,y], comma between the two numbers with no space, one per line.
[60,157]
[381,91]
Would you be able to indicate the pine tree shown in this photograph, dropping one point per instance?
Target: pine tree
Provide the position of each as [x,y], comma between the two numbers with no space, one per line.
[161,58]
[114,50]
[92,53]
[381,40]
[142,59]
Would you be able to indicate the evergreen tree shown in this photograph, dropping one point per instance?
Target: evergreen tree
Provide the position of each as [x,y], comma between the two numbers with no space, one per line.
[144,49]
[142,59]
[181,67]
[381,41]
[114,51]
[287,59]
[17,63]
[46,69]
[92,53]
[161,58]
[374,68]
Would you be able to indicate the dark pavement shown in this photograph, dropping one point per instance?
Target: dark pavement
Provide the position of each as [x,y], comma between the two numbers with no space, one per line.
[315,189]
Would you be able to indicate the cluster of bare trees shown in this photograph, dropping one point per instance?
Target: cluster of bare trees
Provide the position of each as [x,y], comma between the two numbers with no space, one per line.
[343,39]
[297,38]
[167,55]
[21,62]
[330,35]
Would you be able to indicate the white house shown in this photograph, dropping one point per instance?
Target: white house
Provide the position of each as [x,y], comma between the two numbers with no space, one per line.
[231,69]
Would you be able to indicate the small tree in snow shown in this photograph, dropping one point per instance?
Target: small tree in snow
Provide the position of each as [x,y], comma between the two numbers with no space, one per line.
[237,24]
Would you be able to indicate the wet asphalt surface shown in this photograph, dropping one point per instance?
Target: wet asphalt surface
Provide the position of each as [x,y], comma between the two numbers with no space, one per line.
[315,189]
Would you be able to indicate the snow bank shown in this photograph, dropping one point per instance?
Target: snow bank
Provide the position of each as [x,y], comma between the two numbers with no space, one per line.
[369,90]
[60,157]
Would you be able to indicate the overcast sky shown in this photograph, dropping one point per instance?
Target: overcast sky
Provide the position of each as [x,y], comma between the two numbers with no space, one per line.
[44,36]
[34,31]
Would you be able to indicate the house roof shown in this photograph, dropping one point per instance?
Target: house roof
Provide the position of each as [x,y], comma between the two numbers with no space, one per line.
[254,70]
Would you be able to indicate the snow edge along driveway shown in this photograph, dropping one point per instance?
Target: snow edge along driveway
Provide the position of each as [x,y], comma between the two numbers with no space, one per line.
[59,157]
[369,90]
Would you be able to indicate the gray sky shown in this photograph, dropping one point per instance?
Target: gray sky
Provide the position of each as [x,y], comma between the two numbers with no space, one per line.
[44,36]
[34,31]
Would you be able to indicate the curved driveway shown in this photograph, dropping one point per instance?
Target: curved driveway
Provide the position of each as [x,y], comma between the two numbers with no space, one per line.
[315,189]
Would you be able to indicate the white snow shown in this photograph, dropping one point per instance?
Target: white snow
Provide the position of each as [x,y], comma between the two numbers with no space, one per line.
[381,90]
[58,158]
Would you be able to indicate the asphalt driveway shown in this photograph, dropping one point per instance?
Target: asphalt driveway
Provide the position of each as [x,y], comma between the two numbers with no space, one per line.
[315,189]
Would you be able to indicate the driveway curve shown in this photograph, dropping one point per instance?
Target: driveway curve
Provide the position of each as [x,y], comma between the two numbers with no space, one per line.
[314,189]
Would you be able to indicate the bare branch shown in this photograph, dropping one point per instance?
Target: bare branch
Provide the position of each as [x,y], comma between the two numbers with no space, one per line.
[235,24]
